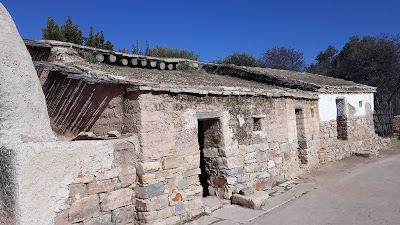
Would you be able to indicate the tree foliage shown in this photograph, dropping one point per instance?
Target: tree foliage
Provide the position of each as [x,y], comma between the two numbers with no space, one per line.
[324,63]
[52,31]
[371,60]
[71,32]
[136,49]
[240,59]
[166,52]
[285,58]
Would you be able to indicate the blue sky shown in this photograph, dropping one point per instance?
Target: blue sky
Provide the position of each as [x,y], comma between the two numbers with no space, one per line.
[216,28]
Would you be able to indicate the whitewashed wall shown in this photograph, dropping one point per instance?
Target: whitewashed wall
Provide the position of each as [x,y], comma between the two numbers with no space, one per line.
[327,104]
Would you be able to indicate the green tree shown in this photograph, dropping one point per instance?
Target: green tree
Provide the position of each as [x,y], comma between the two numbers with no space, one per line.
[371,60]
[89,41]
[136,49]
[166,52]
[124,50]
[108,46]
[285,58]
[324,60]
[71,32]
[240,59]
[52,31]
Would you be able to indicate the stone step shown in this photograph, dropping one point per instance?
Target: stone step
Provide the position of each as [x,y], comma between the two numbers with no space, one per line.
[253,201]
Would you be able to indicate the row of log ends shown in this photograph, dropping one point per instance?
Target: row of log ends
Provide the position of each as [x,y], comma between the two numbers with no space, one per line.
[134,62]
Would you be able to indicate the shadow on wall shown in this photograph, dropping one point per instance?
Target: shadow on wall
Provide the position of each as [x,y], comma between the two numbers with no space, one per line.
[74,105]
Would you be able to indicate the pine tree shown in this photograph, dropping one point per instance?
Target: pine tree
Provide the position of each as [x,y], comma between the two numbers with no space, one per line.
[52,31]
[71,32]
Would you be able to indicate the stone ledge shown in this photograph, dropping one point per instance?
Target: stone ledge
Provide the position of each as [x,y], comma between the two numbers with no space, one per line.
[253,201]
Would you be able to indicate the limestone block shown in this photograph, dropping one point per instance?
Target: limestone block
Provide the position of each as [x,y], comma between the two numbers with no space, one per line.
[122,216]
[183,184]
[233,162]
[194,191]
[150,190]
[127,176]
[192,158]
[172,162]
[77,191]
[211,152]
[218,181]
[175,198]
[104,219]
[231,180]
[145,178]
[108,174]
[193,180]
[180,209]
[83,179]
[95,187]
[264,146]
[151,216]
[253,201]
[152,204]
[84,208]
[145,167]
[194,204]
[116,199]
[192,172]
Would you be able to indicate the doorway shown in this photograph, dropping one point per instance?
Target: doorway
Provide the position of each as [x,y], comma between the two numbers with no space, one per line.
[301,135]
[341,119]
[209,138]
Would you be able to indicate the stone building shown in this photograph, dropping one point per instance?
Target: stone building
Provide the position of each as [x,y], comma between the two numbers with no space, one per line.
[186,130]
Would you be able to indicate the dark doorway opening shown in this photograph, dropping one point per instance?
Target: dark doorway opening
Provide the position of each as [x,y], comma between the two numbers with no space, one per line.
[341,119]
[209,137]
[301,135]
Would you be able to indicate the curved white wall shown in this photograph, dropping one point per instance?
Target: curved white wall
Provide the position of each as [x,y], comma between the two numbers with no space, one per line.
[327,104]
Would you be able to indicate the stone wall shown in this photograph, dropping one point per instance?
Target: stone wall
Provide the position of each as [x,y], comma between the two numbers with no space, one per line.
[237,153]
[360,136]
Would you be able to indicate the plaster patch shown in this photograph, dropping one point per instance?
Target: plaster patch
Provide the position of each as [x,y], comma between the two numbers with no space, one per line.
[241,120]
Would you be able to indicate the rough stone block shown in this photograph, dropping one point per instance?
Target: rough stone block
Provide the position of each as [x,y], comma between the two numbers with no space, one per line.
[108,175]
[253,201]
[247,191]
[104,219]
[192,172]
[127,176]
[264,146]
[192,158]
[180,209]
[77,191]
[175,198]
[116,199]
[84,208]
[194,204]
[150,190]
[145,167]
[61,218]
[183,184]
[211,152]
[145,178]
[124,215]
[172,162]
[152,204]
[83,179]
[95,187]
[231,180]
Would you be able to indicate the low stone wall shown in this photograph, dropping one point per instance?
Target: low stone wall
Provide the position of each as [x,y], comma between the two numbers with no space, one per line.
[360,136]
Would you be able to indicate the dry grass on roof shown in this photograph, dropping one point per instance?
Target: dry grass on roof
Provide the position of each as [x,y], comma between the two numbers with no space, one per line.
[192,78]
[310,78]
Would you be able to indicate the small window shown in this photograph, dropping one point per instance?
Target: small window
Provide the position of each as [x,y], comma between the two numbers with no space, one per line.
[360,104]
[312,112]
[256,124]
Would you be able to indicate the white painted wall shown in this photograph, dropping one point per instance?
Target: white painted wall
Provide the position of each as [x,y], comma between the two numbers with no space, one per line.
[327,104]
